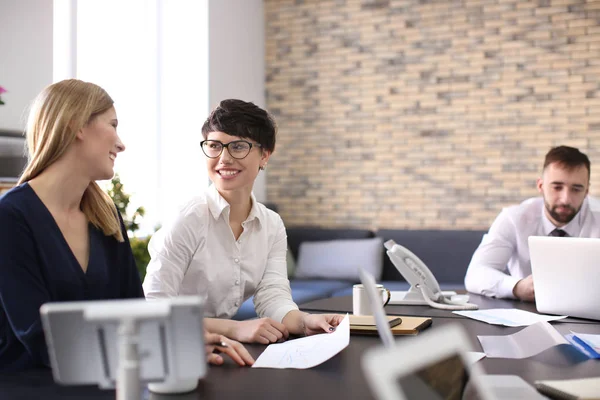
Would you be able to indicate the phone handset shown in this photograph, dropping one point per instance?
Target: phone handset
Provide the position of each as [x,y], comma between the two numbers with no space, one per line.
[420,277]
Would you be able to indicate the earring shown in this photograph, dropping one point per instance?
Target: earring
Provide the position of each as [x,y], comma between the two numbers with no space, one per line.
[263,167]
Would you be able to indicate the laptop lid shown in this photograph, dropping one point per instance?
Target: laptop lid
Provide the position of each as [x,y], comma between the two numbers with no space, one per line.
[430,366]
[381,320]
[564,275]
[435,366]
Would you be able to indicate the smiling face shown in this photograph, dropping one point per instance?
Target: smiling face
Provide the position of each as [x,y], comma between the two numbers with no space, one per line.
[101,144]
[231,175]
[564,191]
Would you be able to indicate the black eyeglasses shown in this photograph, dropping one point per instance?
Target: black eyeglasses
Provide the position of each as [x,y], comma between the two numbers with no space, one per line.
[238,149]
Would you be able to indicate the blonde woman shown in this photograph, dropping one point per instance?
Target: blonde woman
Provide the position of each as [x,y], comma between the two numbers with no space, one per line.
[61,236]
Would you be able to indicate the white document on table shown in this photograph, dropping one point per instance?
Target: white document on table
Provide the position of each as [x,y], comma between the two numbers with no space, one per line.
[306,352]
[508,316]
[526,343]
[474,356]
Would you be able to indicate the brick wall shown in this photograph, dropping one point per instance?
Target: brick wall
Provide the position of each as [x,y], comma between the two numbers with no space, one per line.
[425,114]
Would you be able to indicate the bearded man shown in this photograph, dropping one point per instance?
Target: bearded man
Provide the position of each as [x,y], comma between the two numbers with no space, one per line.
[501,265]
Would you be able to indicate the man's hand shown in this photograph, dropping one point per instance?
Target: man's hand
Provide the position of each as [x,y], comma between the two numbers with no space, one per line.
[524,289]
[235,350]
[263,330]
[321,323]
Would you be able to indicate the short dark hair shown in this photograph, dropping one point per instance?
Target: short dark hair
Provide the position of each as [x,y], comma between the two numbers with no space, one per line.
[243,119]
[567,157]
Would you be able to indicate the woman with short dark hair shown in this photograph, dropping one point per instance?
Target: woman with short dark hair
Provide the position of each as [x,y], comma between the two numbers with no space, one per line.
[227,246]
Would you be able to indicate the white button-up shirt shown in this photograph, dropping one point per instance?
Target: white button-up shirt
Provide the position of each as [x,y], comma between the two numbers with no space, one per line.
[198,255]
[502,258]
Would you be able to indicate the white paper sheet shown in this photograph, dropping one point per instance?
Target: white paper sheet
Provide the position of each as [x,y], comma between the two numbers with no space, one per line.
[508,316]
[306,352]
[474,356]
[526,343]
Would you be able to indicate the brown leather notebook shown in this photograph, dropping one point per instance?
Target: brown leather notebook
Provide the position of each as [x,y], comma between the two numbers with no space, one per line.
[365,325]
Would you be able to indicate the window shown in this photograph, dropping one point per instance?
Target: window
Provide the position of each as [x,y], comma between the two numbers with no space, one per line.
[152,58]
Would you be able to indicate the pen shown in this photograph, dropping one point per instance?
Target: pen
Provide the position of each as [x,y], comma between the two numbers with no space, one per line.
[218,344]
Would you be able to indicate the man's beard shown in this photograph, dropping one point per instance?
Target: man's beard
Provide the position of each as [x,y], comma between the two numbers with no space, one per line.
[562,218]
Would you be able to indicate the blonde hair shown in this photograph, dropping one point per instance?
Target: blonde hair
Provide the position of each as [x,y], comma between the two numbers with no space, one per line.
[56,115]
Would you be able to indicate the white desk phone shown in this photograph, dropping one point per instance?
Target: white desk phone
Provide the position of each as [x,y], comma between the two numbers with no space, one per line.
[424,289]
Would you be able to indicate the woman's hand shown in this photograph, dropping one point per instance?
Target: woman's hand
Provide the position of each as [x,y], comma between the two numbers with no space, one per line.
[319,323]
[235,350]
[263,330]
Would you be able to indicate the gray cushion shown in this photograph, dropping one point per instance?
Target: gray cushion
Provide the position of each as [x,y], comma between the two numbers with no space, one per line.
[446,253]
[340,259]
[323,286]
[395,286]
[297,235]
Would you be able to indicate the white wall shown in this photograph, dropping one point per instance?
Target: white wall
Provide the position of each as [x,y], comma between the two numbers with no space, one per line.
[237,57]
[25,56]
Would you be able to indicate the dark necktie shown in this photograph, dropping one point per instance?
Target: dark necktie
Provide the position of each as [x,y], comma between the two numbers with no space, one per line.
[558,233]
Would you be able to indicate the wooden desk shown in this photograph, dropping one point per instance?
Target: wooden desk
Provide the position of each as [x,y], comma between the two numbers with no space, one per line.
[339,377]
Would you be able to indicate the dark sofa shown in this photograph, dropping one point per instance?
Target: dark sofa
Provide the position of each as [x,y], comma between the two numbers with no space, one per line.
[447,254]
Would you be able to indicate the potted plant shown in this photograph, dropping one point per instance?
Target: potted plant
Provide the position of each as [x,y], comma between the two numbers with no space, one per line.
[139,245]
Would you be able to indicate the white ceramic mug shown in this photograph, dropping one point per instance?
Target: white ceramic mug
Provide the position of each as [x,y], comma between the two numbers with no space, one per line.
[360,300]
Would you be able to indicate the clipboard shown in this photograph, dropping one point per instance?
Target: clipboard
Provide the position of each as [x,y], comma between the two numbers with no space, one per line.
[365,325]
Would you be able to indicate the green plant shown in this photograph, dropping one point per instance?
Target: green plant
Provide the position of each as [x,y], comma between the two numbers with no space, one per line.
[121,200]
[139,246]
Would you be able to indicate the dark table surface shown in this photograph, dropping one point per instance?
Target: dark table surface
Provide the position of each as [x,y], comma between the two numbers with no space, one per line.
[339,377]
[343,304]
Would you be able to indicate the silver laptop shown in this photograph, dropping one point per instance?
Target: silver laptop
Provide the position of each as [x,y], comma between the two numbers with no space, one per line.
[565,272]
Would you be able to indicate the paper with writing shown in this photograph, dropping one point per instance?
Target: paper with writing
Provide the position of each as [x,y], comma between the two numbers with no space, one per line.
[306,352]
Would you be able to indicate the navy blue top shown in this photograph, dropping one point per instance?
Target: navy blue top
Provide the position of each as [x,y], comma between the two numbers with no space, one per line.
[38,266]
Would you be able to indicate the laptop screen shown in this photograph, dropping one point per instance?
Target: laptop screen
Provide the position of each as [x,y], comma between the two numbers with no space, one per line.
[446,379]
